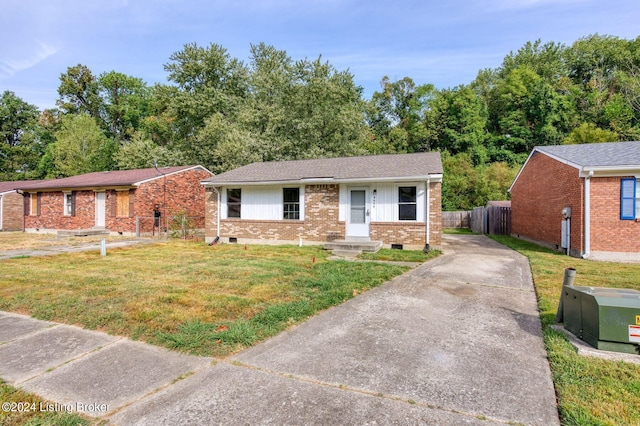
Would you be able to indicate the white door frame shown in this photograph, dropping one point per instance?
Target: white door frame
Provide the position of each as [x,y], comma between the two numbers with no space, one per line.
[101,209]
[355,226]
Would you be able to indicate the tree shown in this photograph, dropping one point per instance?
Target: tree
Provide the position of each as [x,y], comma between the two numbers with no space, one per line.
[142,152]
[207,81]
[400,107]
[79,92]
[21,144]
[81,147]
[456,121]
[123,103]
[589,133]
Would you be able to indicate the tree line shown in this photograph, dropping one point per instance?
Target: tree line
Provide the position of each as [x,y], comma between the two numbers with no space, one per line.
[222,113]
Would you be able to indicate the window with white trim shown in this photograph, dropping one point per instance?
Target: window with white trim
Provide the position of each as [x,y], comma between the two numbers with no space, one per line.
[407,203]
[68,204]
[291,203]
[234,202]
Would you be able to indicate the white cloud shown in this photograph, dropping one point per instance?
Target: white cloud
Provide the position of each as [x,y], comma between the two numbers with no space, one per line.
[9,67]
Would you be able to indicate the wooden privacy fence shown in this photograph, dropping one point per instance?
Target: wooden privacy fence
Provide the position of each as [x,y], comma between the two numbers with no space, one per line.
[459,219]
[495,220]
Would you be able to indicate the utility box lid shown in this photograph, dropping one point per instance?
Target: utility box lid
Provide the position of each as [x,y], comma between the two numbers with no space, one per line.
[606,318]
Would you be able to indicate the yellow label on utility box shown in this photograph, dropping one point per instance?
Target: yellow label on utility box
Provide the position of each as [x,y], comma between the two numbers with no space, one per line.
[637,319]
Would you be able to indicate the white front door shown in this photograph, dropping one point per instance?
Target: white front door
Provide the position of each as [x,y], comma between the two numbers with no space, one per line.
[101,209]
[358,214]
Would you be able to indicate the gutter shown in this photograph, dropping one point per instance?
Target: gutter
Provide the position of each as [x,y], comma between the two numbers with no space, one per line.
[434,177]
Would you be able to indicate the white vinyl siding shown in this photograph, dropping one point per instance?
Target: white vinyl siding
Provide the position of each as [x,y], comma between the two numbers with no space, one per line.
[262,203]
[384,201]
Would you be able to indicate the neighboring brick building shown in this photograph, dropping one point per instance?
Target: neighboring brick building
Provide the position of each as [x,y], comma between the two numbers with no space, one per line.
[395,199]
[598,182]
[12,205]
[120,201]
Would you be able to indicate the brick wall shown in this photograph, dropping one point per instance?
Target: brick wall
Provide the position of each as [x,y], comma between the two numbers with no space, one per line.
[180,192]
[12,212]
[608,232]
[435,214]
[545,186]
[321,221]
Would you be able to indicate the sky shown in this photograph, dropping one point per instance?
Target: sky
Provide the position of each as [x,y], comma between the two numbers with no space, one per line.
[443,42]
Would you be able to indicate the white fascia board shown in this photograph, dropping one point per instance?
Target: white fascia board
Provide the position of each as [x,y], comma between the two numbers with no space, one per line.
[320,181]
[610,171]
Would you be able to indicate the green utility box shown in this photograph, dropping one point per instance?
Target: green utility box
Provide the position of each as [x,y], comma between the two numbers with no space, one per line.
[606,318]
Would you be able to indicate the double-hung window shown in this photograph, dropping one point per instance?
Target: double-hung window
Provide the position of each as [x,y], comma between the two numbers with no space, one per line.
[69,208]
[407,203]
[629,199]
[291,206]
[234,201]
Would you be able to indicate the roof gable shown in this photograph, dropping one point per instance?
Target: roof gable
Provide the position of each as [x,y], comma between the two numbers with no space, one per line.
[604,159]
[109,178]
[381,167]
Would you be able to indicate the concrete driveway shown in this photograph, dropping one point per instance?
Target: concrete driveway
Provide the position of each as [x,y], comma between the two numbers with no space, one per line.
[454,341]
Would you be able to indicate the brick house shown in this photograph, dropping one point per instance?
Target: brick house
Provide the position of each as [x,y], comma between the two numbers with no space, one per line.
[11,207]
[121,202]
[596,187]
[395,199]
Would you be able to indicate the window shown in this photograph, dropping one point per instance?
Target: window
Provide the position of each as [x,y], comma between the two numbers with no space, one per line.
[34,204]
[69,204]
[407,206]
[628,199]
[234,198]
[122,203]
[291,206]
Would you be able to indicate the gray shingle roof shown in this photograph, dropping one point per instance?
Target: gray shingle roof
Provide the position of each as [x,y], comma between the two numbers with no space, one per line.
[103,179]
[608,154]
[371,167]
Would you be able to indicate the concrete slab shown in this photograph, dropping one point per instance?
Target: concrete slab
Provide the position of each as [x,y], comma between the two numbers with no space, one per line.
[114,376]
[585,349]
[14,326]
[51,347]
[230,394]
[440,335]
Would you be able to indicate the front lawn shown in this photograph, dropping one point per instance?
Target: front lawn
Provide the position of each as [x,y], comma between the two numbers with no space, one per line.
[590,391]
[33,241]
[185,295]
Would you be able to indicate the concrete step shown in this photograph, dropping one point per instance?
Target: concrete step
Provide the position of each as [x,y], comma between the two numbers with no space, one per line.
[346,253]
[82,232]
[363,246]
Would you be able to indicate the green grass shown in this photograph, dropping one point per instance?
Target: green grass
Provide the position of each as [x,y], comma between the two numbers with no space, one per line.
[400,255]
[459,231]
[29,412]
[590,391]
[185,295]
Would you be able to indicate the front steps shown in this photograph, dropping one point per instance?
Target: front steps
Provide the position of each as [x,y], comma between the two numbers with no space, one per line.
[352,248]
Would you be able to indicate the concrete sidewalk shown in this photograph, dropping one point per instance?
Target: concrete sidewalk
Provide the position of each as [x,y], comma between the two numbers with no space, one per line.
[66,248]
[454,341]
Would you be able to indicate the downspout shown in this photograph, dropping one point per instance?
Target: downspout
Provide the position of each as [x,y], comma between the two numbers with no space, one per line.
[587,215]
[426,219]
